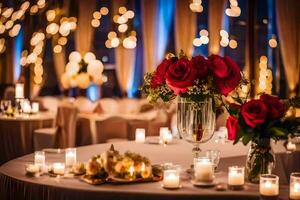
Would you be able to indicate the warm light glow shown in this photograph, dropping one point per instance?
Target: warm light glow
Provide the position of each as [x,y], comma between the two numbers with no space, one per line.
[89,56]
[57,49]
[104,11]
[62,41]
[50,14]
[65,28]
[2,28]
[112,35]
[263,59]
[273,43]
[197,42]
[122,20]
[7,12]
[75,56]
[122,28]
[95,23]
[115,18]
[223,33]
[233,44]
[115,42]
[15,30]
[204,39]
[196,7]
[9,24]
[108,44]
[34,9]
[25,5]
[52,28]
[122,10]
[203,32]
[129,14]
[97,15]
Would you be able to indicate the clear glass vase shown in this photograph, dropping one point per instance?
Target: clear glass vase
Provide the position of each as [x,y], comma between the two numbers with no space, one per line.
[196,123]
[260,160]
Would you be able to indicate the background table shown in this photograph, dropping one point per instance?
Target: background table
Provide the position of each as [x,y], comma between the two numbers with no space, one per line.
[15,185]
[16,134]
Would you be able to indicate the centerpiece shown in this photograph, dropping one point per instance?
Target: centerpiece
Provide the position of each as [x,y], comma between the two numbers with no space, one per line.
[83,71]
[259,121]
[199,85]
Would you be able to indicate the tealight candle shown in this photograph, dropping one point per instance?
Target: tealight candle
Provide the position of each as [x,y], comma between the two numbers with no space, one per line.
[171,179]
[26,107]
[295,185]
[162,132]
[19,91]
[236,176]
[71,157]
[58,168]
[269,185]
[204,169]
[35,107]
[140,135]
[291,146]
[39,158]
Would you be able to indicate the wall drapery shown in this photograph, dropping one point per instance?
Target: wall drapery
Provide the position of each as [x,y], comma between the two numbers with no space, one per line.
[288,21]
[185,27]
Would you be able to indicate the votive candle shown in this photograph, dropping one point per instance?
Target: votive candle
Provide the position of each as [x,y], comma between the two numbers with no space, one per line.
[19,91]
[171,179]
[59,168]
[26,107]
[35,107]
[162,132]
[295,185]
[71,157]
[39,158]
[140,135]
[236,176]
[204,169]
[269,185]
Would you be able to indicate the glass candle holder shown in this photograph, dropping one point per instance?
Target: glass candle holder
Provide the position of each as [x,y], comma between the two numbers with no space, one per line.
[269,185]
[71,157]
[214,156]
[39,158]
[295,185]
[171,178]
[140,135]
[58,168]
[162,131]
[236,177]
[35,108]
[203,170]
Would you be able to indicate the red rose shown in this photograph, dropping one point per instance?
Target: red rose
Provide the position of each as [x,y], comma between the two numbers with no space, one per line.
[275,107]
[201,65]
[254,112]
[226,73]
[159,77]
[180,76]
[232,127]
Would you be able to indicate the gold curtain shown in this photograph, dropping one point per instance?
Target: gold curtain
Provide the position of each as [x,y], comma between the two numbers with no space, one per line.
[6,63]
[288,21]
[124,58]
[149,19]
[185,27]
[85,32]
[216,11]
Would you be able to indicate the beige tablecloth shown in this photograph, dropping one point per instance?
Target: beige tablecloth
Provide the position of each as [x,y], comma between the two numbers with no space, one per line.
[15,185]
[16,134]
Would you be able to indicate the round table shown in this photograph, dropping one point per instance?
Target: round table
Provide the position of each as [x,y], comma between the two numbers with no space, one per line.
[16,134]
[15,185]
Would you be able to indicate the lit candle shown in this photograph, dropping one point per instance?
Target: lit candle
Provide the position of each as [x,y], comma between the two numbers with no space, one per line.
[163,131]
[71,157]
[58,168]
[131,171]
[35,107]
[295,185]
[236,176]
[167,137]
[204,170]
[140,135]
[269,185]
[143,167]
[26,107]
[291,146]
[19,91]
[171,179]
[32,168]
[39,158]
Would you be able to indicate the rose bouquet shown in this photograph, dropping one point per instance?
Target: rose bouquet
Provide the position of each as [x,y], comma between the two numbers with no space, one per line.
[195,79]
[258,121]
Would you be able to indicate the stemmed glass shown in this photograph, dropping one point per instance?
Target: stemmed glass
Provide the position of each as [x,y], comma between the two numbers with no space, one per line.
[5,105]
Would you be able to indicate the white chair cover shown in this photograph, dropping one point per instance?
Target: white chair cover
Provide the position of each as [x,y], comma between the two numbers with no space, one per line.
[129,106]
[50,103]
[84,105]
[109,105]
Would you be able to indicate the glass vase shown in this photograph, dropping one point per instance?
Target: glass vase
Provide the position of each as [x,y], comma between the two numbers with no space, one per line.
[196,122]
[260,160]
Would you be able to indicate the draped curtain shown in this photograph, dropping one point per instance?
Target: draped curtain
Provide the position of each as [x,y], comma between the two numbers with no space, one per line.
[124,58]
[288,21]
[149,19]
[185,27]
[216,11]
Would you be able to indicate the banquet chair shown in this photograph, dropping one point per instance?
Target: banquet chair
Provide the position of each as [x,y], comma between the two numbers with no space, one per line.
[63,135]
[49,103]
[129,106]
[109,105]
[111,129]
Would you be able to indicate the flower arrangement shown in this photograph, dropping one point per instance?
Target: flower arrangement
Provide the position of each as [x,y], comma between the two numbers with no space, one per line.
[196,78]
[258,121]
[82,71]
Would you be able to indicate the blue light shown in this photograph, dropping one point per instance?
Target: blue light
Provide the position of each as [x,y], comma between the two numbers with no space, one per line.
[18,45]
[164,19]
[93,92]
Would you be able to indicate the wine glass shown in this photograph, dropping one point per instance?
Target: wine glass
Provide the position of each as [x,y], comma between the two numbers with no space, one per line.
[5,104]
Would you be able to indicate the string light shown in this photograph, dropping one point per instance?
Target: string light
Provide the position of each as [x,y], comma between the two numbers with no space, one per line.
[95,23]
[196,6]
[197,42]
[104,10]
[234,10]
[273,43]
[233,44]
[265,76]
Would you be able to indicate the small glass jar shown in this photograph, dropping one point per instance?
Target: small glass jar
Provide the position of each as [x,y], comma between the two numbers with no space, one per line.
[269,185]
[39,158]
[295,185]
[70,157]
[171,179]
[236,177]
[203,170]
[140,135]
